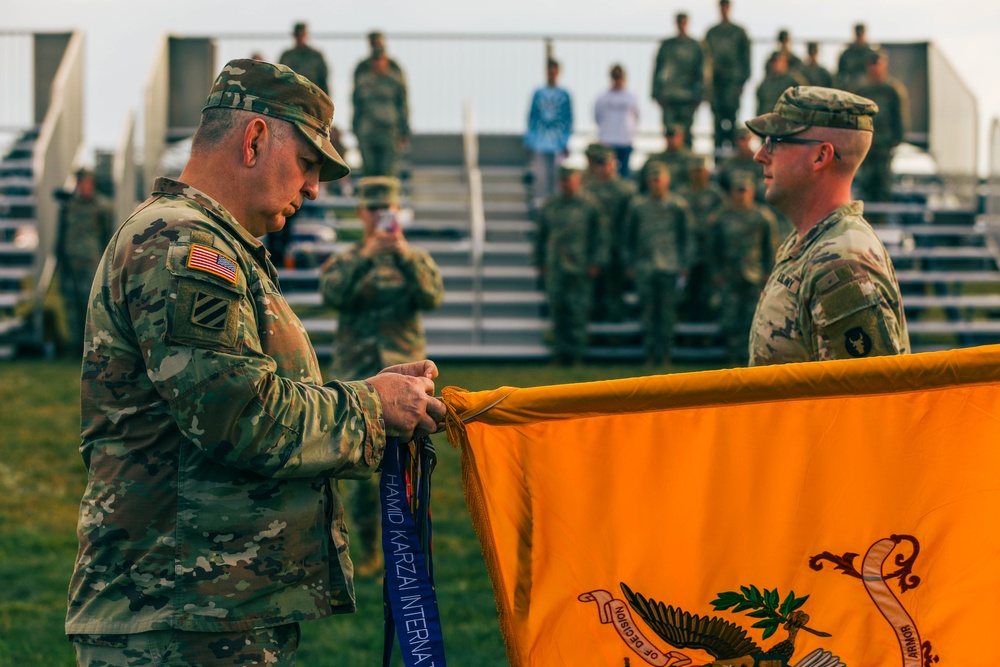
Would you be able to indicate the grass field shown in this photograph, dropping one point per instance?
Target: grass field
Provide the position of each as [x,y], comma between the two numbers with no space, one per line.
[42,478]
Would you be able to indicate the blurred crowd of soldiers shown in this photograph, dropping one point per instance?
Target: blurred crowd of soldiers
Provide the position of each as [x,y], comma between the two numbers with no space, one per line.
[691,242]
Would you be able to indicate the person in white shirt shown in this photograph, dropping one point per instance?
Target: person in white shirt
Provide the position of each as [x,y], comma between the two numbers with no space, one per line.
[617,114]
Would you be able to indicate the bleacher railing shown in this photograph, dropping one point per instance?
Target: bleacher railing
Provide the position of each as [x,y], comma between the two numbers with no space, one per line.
[60,138]
[477,217]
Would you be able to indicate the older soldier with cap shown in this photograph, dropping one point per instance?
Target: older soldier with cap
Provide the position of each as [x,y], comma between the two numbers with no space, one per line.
[614,195]
[661,248]
[306,60]
[379,287]
[833,293]
[568,256]
[211,523]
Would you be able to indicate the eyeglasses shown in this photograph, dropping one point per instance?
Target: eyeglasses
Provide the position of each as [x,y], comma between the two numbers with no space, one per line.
[770,141]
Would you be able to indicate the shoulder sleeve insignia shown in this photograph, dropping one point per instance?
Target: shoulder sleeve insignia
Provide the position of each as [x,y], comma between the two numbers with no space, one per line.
[203,258]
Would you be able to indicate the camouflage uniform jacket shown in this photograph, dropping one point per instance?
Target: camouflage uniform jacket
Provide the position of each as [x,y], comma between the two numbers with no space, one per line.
[728,48]
[852,66]
[379,300]
[85,227]
[380,106]
[703,202]
[744,243]
[209,442]
[678,162]
[308,62]
[365,67]
[614,197]
[568,239]
[771,88]
[832,295]
[817,75]
[661,235]
[678,75]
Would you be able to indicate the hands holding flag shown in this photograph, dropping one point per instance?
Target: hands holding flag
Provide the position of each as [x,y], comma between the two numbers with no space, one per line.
[409,408]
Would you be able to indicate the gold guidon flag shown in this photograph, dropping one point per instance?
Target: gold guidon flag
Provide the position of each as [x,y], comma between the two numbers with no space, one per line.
[821,514]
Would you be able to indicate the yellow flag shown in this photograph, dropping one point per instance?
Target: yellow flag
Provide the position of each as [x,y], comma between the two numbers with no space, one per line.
[835,513]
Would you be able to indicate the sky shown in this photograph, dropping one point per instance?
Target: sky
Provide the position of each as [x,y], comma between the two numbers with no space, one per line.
[121,35]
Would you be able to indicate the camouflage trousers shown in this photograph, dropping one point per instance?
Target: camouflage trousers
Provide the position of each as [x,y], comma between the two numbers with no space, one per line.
[274,647]
[739,304]
[725,104]
[380,154]
[680,113]
[74,287]
[875,174]
[569,307]
[658,300]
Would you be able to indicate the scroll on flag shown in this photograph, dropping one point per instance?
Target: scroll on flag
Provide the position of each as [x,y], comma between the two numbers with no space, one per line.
[821,514]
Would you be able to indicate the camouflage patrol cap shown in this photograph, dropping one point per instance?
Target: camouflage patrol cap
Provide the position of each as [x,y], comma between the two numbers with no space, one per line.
[742,180]
[656,168]
[802,107]
[378,191]
[599,153]
[277,91]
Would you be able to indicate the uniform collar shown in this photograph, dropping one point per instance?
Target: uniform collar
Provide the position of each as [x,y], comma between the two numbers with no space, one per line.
[841,212]
[168,186]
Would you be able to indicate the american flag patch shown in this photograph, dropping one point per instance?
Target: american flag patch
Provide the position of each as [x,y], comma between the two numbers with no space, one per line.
[206,259]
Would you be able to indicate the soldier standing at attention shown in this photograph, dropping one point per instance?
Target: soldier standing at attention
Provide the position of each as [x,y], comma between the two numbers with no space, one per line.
[306,60]
[677,157]
[679,78]
[704,198]
[853,64]
[661,248]
[568,257]
[814,73]
[211,525]
[833,293]
[379,289]
[785,46]
[728,50]
[744,240]
[85,225]
[381,117]
[741,160]
[890,126]
[614,195]
[376,41]
[774,84]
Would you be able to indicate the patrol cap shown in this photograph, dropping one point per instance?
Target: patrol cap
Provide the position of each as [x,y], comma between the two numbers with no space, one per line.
[599,153]
[567,169]
[299,28]
[812,47]
[375,35]
[673,129]
[742,180]
[802,107]
[783,35]
[655,168]
[682,16]
[378,191]
[277,91]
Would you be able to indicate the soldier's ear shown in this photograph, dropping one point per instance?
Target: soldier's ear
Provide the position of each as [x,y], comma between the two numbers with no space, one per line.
[254,136]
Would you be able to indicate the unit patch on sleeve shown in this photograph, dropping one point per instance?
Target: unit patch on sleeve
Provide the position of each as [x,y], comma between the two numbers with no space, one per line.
[204,258]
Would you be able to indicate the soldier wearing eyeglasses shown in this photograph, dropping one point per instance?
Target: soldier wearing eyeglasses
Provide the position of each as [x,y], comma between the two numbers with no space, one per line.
[833,293]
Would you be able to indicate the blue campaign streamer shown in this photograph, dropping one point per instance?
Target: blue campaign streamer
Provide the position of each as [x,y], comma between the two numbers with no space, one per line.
[411,608]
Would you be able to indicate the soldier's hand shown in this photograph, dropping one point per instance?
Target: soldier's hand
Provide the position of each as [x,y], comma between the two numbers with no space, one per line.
[425,368]
[409,408]
[378,243]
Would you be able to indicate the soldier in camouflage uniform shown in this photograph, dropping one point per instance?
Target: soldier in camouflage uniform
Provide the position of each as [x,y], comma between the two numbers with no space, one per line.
[211,523]
[679,78]
[568,256]
[744,240]
[728,49]
[814,73]
[306,60]
[379,289]
[661,249]
[703,197]
[381,118]
[833,293]
[614,195]
[85,225]
[677,157]
[778,78]
[740,161]
[890,127]
[853,64]
[376,41]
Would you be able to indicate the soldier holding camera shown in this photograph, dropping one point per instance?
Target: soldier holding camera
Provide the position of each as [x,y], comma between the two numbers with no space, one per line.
[379,288]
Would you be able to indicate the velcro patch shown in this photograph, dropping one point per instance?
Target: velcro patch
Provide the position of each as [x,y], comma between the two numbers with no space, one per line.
[210,311]
[206,259]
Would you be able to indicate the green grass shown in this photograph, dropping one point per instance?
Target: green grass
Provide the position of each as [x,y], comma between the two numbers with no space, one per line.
[42,478]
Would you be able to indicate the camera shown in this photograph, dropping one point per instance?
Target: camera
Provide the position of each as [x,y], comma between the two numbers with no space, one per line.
[386,221]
